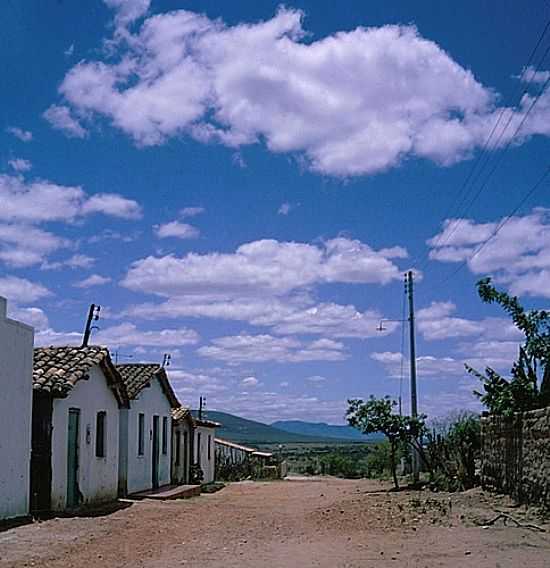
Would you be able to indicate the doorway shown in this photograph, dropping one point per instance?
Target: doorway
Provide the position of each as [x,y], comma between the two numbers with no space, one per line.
[156,452]
[73,431]
[41,453]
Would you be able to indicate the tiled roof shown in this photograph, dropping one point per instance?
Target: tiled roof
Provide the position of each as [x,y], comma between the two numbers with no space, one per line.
[57,369]
[137,376]
[180,413]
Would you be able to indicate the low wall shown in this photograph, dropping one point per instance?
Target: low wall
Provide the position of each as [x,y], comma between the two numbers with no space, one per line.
[516,455]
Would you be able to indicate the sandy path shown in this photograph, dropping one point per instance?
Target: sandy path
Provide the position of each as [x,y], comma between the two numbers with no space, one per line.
[285,524]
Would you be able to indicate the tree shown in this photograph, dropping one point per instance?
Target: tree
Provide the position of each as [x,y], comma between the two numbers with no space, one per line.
[376,415]
[525,390]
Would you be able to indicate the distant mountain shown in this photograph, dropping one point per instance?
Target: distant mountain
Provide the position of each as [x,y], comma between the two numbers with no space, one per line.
[241,430]
[324,430]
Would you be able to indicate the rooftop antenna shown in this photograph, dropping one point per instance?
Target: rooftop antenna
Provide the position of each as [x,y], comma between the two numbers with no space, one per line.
[166,360]
[93,315]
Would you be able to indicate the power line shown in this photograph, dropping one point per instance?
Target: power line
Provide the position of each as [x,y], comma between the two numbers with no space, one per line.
[499,227]
[485,149]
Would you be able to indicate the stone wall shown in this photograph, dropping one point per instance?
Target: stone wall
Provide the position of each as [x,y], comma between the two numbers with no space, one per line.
[516,455]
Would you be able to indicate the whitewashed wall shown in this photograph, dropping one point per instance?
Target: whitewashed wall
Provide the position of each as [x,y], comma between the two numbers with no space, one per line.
[207,460]
[16,353]
[151,401]
[97,477]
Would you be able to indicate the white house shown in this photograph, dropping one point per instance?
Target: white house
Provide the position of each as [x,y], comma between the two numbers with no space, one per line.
[182,445]
[204,449]
[76,401]
[146,428]
[16,343]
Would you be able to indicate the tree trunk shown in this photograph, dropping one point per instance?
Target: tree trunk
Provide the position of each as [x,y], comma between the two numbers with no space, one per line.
[393,464]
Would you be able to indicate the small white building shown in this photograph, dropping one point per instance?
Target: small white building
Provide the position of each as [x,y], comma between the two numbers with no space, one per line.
[146,428]
[16,344]
[182,444]
[77,397]
[204,449]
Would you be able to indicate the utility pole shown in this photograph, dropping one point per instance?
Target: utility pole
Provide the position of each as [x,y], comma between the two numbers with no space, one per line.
[200,407]
[166,360]
[93,315]
[412,357]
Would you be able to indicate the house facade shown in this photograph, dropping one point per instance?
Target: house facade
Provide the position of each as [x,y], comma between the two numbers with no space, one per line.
[204,447]
[16,353]
[146,429]
[77,397]
[182,445]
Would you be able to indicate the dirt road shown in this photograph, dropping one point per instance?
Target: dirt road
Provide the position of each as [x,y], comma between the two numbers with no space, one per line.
[328,523]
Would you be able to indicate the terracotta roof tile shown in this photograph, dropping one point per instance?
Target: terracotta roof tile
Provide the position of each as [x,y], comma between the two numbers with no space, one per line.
[58,369]
[137,376]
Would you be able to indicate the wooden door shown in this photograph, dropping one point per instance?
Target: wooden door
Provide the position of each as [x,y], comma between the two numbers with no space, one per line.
[73,491]
[41,453]
[155,452]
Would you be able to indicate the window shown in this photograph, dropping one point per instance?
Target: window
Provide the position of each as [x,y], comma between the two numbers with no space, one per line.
[178,447]
[100,433]
[199,448]
[164,435]
[209,445]
[141,434]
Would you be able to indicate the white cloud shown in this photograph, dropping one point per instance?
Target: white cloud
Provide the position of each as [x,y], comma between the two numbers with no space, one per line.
[245,348]
[191,211]
[23,245]
[286,208]
[60,118]
[31,316]
[427,365]
[21,291]
[122,335]
[250,382]
[265,266]
[531,75]
[519,254]
[75,261]
[23,135]
[316,379]
[69,51]
[93,280]
[177,230]
[352,103]
[20,164]
[112,204]
[128,11]
[29,203]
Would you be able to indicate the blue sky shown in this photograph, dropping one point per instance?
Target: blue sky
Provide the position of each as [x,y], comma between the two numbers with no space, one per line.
[243,185]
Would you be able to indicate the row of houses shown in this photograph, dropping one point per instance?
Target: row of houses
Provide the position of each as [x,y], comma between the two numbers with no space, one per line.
[76,429]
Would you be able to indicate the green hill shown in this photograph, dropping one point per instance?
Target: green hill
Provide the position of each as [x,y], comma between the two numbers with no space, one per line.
[324,430]
[241,430]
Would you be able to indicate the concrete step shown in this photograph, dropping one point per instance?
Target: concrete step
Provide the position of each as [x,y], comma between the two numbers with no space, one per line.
[168,492]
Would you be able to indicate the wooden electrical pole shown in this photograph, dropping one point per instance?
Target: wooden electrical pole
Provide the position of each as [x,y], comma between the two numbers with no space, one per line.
[93,315]
[412,357]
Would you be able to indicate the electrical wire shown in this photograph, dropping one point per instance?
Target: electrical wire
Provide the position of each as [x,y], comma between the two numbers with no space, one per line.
[461,197]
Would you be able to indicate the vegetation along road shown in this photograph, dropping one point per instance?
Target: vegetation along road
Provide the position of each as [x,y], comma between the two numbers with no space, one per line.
[300,523]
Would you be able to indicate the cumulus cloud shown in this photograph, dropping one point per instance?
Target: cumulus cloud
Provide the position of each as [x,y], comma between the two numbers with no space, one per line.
[22,291]
[20,164]
[250,382]
[74,261]
[23,135]
[519,254]
[112,204]
[128,11]
[122,335]
[26,204]
[286,208]
[60,118]
[176,230]
[244,348]
[351,103]
[265,266]
[31,316]
[191,211]
[92,280]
